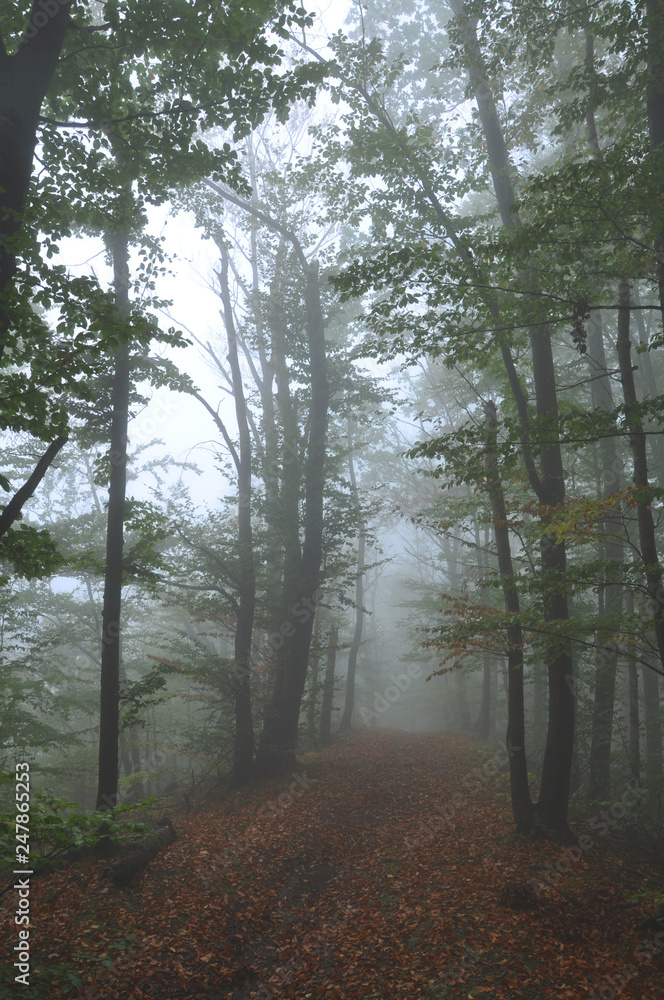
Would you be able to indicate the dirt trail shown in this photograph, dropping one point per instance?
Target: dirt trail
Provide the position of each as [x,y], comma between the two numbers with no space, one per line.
[343,881]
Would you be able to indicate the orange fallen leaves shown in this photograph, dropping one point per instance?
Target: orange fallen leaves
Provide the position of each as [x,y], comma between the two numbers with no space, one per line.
[330,902]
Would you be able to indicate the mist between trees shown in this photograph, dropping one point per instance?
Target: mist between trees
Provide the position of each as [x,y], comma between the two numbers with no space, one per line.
[419,382]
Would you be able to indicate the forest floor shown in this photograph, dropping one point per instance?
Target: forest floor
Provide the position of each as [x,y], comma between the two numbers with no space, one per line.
[352,886]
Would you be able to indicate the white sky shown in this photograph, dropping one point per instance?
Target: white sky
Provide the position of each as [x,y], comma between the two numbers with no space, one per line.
[186,428]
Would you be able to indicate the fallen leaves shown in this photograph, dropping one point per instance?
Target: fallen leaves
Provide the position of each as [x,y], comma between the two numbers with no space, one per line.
[331,900]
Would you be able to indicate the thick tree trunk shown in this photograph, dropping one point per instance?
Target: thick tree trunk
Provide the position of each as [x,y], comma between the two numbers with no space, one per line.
[325,730]
[25,78]
[243,746]
[522,806]
[110,648]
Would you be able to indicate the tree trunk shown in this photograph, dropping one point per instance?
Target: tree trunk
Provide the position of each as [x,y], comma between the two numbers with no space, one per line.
[654,17]
[279,737]
[634,721]
[611,557]
[653,721]
[649,388]
[110,647]
[522,806]
[325,730]
[347,714]
[243,745]
[539,711]
[12,511]
[484,719]
[552,805]
[123,871]
[643,491]
[315,669]
[25,78]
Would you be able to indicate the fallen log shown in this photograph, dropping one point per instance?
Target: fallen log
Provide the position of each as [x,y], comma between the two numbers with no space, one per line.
[139,855]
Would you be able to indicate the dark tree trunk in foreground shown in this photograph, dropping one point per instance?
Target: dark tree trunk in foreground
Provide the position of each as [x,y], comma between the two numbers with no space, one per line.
[107,790]
[25,77]
[522,806]
[243,748]
[325,730]
[347,715]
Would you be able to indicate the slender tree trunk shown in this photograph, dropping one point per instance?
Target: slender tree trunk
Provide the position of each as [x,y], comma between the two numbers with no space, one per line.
[539,710]
[325,730]
[12,511]
[243,746]
[654,17]
[107,790]
[611,557]
[312,714]
[347,714]
[461,696]
[653,721]
[522,806]
[484,719]
[634,721]
[649,388]
[643,492]
[552,805]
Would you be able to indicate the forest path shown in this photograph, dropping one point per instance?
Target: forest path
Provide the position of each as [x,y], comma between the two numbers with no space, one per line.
[350,885]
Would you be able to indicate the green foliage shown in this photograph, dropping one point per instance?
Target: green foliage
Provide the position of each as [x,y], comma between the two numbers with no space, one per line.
[57,825]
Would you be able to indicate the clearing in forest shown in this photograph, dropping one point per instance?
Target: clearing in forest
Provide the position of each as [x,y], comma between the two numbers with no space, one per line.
[358,877]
